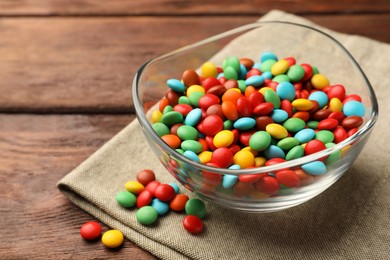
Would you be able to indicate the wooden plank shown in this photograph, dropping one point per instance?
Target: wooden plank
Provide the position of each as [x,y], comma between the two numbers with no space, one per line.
[180,7]
[87,64]
[37,221]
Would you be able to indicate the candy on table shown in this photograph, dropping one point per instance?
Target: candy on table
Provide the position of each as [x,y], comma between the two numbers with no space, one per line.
[112,238]
[247,113]
[154,199]
[91,230]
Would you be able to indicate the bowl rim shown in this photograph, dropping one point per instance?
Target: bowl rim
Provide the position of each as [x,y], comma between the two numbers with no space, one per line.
[364,130]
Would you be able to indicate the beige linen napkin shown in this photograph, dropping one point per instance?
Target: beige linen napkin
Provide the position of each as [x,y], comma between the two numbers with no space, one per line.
[350,220]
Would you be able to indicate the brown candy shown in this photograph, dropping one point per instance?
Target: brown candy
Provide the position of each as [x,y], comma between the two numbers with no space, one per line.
[190,77]
[352,122]
[248,63]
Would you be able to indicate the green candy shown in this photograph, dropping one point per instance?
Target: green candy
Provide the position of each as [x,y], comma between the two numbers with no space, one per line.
[167,109]
[194,98]
[233,62]
[230,73]
[171,118]
[161,129]
[184,100]
[260,141]
[228,125]
[146,215]
[294,124]
[267,65]
[312,124]
[187,132]
[195,207]
[281,78]
[241,85]
[287,143]
[192,145]
[333,157]
[179,151]
[315,70]
[126,199]
[272,97]
[295,153]
[324,136]
[295,73]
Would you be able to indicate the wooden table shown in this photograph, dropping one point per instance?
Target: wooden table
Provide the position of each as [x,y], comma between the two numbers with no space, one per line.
[66,69]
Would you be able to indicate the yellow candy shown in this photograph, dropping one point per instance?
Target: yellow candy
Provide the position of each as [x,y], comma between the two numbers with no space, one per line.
[335,105]
[264,89]
[134,187]
[260,161]
[276,131]
[280,67]
[319,81]
[344,150]
[156,116]
[302,104]
[254,152]
[112,238]
[209,70]
[223,138]
[205,157]
[234,89]
[194,88]
[244,159]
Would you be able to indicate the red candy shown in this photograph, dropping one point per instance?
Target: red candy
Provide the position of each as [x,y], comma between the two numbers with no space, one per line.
[211,125]
[165,192]
[263,109]
[193,224]
[336,91]
[244,106]
[91,230]
[222,157]
[327,124]
[144,198]
[314,146]
[152,186]
[267,185]
[145,176]
[339,134]
[288,178]
[208,100]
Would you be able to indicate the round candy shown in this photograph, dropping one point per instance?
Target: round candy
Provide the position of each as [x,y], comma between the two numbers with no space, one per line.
[288,178]
[279,67]
[193,224]
[295,153]
[294,124]
[320,97]
[244,123]
[165,192]
[268,56]
[145,176]
[319,81]
[187,132]
[144,198]
[112,238]
[276,131]
[223,138]
[286,90]
[161,207]
[195,207]
[176,85]
[209,70]
[178,203]
[146,215]
[126,199]
[134,187]
[244,159]
[314,168]
[260,141]
[353,108]
[296,73]
[229,180]
[91,230]
[267,185]
[222,157]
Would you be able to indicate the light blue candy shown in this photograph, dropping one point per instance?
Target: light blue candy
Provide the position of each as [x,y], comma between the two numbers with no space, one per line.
[176,85]
[286,90]
[274,151]
[229,180]
[267,55]
[175,187]
[193,117]
[320,97]
[267,74]
[279,115]
[234,167]
[192,156]
[255,81]
[160,206]
[314,168]
[220,75]
[305,135]
[353,108]
[243,71]
[257,65]
[244,123]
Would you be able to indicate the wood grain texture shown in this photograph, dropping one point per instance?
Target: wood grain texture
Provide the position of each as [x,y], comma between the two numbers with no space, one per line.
[181,7]
[86,65]
[37,221]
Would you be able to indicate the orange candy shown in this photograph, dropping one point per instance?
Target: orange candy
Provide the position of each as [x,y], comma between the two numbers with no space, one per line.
[231,95]
[163,103]
[178,203]
[172,140]
[229,109]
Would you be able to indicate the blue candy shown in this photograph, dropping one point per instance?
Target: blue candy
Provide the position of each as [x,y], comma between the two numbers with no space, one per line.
[279,115]
[243,71]
[160,206]
[320,97]
[305,135]
[255,81]
[176,85]
[353,108]
[244,123]
[285,90]
[193,117]
[274,151]
[192,156]
[314,168]
[268,56]
[175,187]
[229,180]
[267,74]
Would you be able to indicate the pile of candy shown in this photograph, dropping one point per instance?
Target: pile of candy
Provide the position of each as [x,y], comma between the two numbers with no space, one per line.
[154,199]
[246,114]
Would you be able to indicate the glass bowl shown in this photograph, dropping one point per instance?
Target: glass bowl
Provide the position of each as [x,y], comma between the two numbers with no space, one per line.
[306,45]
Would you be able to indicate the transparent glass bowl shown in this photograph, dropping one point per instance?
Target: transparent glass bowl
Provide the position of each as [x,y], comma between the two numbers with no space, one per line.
[307,45]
